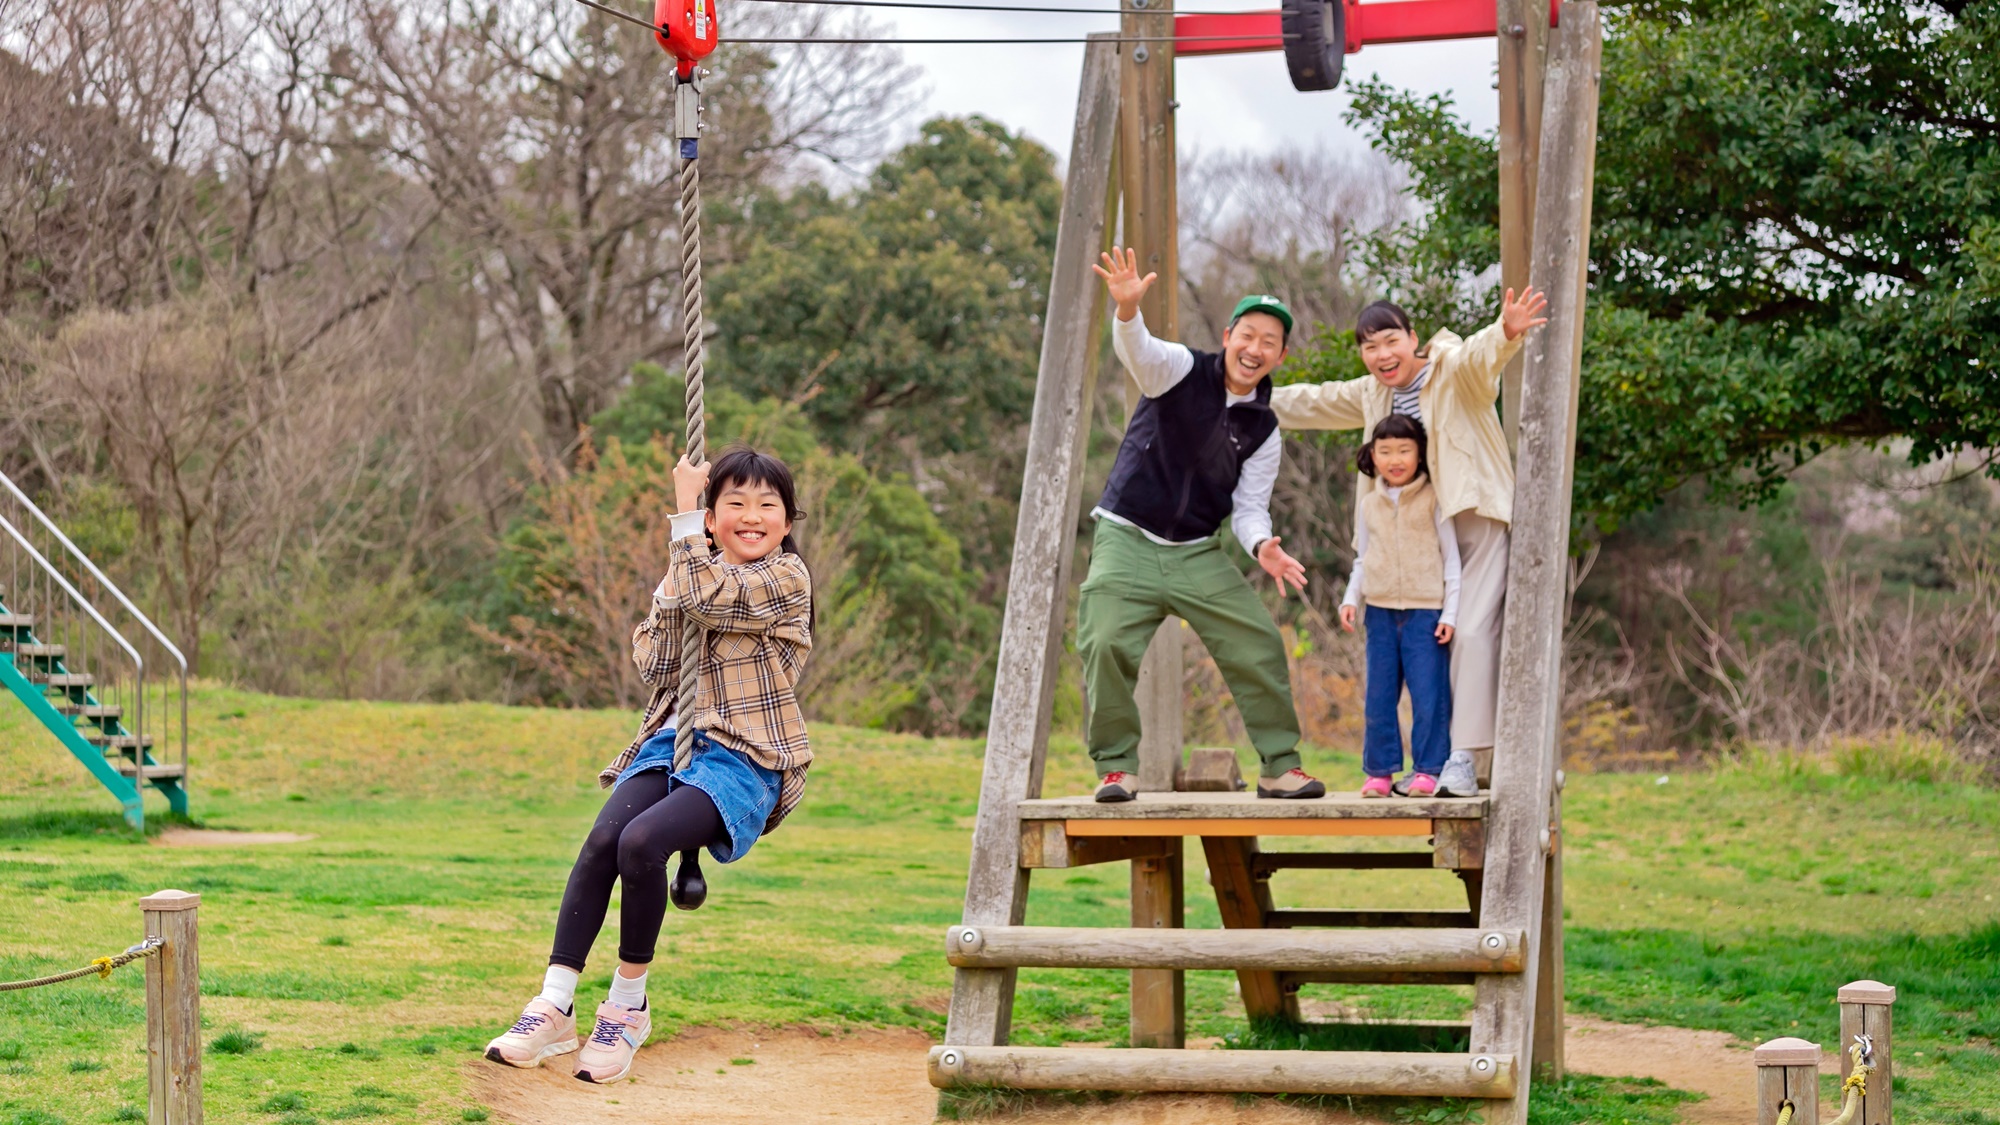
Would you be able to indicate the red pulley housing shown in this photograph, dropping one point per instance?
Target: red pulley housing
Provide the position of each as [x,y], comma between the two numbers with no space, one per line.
[689,31]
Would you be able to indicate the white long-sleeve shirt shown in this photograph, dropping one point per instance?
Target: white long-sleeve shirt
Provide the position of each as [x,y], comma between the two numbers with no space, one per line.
[1158,366]
[1447,543]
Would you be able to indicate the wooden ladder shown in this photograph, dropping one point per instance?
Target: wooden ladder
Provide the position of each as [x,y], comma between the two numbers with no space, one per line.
[1505,844]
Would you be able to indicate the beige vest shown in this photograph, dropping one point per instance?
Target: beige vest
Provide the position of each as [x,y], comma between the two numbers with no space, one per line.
[1404,567]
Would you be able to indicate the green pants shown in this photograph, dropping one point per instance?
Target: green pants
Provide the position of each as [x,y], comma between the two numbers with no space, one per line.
[1134,584]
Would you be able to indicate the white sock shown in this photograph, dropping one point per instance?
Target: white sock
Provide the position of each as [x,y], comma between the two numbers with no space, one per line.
[559,987]
[628,992]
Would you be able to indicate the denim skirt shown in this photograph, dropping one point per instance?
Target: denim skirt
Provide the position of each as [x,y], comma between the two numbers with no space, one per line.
[743,791]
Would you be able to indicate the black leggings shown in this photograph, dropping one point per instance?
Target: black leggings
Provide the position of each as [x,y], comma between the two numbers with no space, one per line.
[636,831]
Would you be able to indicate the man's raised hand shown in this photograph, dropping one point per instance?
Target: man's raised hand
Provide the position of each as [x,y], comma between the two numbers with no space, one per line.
[1517,316]
[1281,566]
[1120,271]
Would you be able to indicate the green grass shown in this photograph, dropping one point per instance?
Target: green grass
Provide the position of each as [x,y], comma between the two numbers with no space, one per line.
[362,968]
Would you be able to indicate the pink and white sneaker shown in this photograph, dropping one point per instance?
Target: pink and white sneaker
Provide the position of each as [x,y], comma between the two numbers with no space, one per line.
[620,1032]
[1375,787]
[542,1032]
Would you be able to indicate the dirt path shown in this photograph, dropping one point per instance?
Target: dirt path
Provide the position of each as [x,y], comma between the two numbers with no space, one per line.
[875,1076]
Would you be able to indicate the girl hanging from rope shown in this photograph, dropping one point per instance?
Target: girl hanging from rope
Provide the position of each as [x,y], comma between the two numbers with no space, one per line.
[747,770]
[1406,572]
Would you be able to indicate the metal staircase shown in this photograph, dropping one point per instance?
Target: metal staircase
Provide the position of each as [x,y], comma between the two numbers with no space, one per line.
[87,663]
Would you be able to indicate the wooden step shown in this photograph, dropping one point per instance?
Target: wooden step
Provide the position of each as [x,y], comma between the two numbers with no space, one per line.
[118,741]
[88,710]
[1372,919]
[1372,1073]
[1371,951]
[147,772]
[1266,863]
[63,679]
[17,620]
[48,652]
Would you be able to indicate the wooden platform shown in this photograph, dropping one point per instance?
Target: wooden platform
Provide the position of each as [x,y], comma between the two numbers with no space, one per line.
[1059,832]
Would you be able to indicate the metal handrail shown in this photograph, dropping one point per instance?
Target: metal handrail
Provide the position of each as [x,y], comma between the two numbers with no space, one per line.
[76,596]
[105,580]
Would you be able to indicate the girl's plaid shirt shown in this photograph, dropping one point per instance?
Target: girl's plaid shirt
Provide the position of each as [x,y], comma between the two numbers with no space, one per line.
[757,629]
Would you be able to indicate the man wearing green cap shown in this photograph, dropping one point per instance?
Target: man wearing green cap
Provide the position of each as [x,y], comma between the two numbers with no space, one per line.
[1201,446]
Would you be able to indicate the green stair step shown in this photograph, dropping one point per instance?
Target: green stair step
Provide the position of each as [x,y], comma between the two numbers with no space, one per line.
[89,710]
[117,741]
[149,772]
[62,679]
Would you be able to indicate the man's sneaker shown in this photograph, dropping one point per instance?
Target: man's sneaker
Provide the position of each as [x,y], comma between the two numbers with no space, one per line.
[543,1032]
[1294,784]
[1457,778]
[1117,786]
[1375,787]
[620,1032]
[1418,785]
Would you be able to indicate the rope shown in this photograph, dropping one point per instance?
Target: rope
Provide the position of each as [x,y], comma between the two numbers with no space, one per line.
[1855,1089]
[102,966]
[697,426]
[1785,1114]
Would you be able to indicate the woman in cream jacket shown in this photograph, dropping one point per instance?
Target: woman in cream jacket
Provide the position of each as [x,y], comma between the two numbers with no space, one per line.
[1452,386]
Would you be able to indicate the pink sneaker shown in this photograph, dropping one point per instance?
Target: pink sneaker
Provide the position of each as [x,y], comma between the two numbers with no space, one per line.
[1420,785]
[620,1032]
[1375,787]
[542,1032]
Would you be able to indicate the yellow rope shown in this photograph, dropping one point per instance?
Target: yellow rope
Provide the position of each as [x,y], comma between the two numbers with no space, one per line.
[1785,1114]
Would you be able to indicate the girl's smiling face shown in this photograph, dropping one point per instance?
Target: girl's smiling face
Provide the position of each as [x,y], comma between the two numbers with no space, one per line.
[1396,460]
[1391,356]
[748,521]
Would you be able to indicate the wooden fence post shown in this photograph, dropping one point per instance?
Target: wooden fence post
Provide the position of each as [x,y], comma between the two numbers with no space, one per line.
[1788,1071]
[1864,1010]
[173,1009]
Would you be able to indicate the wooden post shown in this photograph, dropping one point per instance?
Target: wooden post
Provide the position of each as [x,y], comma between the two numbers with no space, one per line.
[1243,898]
[1524,757]
[1865,1010]
[1159,996]
[1523,41]
[1031,633]
[1547,1062]
[1147,182]
[173,1009]
[1787,1072]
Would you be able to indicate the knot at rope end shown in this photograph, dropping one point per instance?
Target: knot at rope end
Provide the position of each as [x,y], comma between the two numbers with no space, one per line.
[103,965]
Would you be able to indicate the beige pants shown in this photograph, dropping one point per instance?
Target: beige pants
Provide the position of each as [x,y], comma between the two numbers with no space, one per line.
[1475,648]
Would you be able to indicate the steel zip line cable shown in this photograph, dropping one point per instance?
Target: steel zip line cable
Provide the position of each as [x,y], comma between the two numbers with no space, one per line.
[649,26]
[1010,8]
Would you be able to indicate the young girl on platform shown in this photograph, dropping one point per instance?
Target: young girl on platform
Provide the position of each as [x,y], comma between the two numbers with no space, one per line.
[748,766]
[1406,573]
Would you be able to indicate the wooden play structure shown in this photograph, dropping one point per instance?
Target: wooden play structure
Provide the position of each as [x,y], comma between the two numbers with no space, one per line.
[1504,846]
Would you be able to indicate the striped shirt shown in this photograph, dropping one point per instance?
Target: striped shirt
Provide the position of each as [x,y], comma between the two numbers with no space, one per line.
[757,631]
[1404,400]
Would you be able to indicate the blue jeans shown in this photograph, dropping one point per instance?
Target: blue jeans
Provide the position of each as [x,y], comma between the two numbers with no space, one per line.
[1403,649]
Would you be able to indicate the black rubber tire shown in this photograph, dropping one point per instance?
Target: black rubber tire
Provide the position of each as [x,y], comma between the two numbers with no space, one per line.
[1315,42]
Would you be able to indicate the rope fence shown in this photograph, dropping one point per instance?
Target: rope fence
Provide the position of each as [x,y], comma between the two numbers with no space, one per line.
[102,966]
[1788,1068]
[173,1002]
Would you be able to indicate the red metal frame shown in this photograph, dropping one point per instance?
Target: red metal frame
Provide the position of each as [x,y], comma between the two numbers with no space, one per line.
[1392,21]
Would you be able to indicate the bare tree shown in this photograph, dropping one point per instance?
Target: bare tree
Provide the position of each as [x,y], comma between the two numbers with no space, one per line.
[540,131]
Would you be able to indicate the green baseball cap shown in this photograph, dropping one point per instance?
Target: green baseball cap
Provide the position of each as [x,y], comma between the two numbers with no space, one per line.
[1263,303]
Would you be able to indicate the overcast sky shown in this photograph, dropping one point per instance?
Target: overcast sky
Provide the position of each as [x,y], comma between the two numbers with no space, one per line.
[1234,102]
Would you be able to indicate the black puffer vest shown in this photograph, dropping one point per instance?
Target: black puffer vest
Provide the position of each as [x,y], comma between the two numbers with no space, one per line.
[1183,453]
